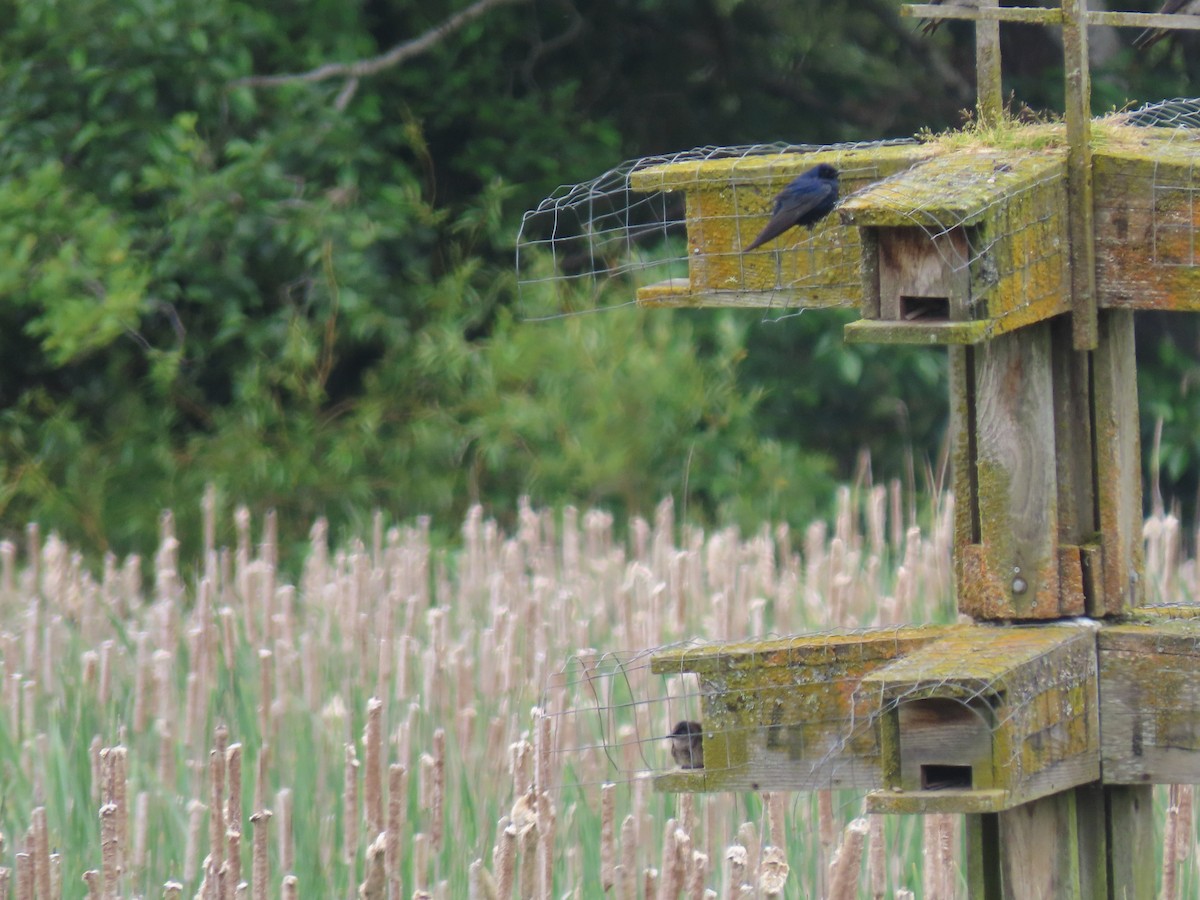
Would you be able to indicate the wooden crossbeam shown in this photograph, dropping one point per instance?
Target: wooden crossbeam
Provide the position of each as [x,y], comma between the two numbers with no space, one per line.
[1040,16]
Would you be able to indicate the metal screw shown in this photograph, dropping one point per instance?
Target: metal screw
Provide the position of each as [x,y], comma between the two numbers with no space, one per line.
[1019,585]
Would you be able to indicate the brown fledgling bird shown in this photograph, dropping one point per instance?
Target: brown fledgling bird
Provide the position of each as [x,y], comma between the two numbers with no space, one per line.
[687,745]
[1152,36]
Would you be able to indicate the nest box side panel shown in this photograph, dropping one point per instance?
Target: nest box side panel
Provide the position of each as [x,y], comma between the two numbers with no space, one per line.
[728,200]
[781,715]
[1147,202]
[1151,703]
[1012,571]
[1029,255]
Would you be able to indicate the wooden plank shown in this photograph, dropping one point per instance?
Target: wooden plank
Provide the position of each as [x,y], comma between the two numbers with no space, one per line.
[1118,463]
[1132,847]
[929,334]
[1014,573]
[1147,202]
[963,457]
[1073,462]
[1150,703]
[974,14]
[913,263]
[1090,816]
[677,293]
[1078,114]
[988,87]
[983,857]
[1039,850]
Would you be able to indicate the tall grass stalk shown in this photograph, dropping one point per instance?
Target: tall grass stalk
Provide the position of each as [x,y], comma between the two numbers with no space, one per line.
[399,720]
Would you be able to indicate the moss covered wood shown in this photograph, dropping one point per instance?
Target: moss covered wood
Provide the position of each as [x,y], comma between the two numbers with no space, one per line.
[779,714]
[988,718]
[728,202]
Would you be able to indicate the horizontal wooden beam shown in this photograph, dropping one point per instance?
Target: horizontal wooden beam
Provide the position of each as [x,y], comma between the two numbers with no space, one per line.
[988,14]
[1036,16]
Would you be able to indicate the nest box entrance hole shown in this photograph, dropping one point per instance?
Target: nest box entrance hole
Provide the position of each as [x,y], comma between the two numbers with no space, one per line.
[945,744]
[924,274]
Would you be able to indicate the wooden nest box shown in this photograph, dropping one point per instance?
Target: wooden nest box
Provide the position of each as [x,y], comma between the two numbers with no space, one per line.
[986,719]
[962,247]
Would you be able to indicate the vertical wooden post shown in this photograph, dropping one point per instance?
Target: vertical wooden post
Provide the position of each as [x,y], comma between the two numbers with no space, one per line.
[1118,475]
[988,86]
[1132,850]
[1040,851]
[1079,171]
[983,856]
[1008,566]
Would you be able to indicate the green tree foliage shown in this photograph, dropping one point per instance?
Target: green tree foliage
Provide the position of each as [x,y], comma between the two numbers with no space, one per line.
[304,293]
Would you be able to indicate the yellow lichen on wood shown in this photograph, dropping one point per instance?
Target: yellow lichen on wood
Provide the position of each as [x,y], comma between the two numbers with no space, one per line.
[968,246]
[1151,711]
[729,200]
[1147,200]
[781,714]
[1035,690]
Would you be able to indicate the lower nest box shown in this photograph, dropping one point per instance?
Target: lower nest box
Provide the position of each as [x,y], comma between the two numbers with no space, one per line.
[986,719]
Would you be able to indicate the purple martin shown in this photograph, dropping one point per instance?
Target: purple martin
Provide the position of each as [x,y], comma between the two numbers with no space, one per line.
[1152,36]
[929,26]
[807,200]
[687,745]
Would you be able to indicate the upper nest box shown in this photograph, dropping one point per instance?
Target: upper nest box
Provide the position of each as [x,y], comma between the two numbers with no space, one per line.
[953,240]
[963,247]
[727,202]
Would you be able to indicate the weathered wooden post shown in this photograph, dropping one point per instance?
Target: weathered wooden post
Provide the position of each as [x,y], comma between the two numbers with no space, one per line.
[1047,720]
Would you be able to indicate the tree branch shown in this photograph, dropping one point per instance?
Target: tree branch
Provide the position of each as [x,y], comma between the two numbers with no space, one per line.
[398,54]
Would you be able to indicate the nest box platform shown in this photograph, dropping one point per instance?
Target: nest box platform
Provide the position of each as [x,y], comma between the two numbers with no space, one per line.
[986,719]
[778,714]
[938,719]
[963,247]
[728,202]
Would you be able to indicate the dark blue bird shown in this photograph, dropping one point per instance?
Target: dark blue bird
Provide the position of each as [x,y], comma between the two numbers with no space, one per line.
[808,199]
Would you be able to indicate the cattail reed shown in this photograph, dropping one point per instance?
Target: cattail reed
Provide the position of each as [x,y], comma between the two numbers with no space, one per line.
[95,887]
[397,813]
[608,850]
[505,858]
[739,866]
[773,872]
[374,760]
[260,865]
[876,858]
[847,861]
[350,807]
[374,887]
[438,805]
[283,809]
[110,869]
